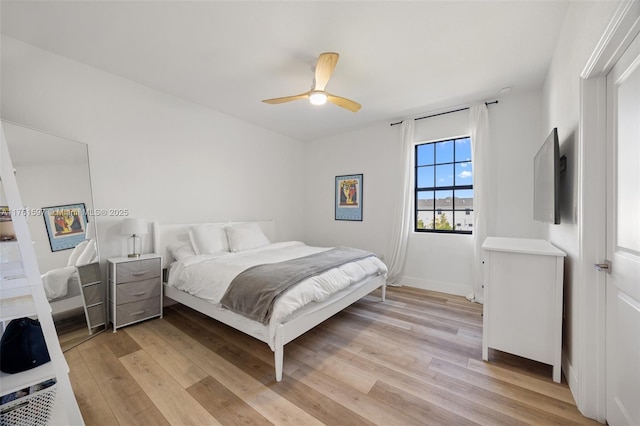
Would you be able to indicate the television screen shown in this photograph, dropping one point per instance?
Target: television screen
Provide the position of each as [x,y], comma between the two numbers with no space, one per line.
[546,172]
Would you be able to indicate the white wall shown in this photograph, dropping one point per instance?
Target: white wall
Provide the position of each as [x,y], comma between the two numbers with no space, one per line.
[158,156]
[370,151]
[439,262]
[584,25]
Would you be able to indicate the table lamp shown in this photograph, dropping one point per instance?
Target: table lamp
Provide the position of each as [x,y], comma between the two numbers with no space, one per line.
[134,228]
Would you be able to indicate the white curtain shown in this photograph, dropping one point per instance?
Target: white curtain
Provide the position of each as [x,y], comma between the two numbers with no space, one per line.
[404,206]
[479,125]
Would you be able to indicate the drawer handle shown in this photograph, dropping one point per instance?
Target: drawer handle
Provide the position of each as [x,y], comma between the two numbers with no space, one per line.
[137,313]
[136,274]
[140,293]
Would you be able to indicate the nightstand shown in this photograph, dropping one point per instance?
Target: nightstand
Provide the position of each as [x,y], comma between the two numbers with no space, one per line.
[135,289]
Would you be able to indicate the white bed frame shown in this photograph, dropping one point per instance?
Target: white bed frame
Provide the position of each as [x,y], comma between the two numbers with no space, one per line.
[299,323]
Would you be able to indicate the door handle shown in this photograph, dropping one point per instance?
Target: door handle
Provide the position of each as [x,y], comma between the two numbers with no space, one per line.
[606,266]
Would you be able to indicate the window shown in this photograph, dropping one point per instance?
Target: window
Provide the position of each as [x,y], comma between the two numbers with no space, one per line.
[444,186]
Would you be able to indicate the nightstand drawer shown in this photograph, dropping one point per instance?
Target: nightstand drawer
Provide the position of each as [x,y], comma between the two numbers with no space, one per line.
[138,290]
[138,270]
[137,311]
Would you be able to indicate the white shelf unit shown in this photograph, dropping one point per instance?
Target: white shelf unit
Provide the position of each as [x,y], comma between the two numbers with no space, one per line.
[523,299]
[22,295]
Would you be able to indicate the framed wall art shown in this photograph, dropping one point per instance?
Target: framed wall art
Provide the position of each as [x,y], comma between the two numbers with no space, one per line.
[348,197]
[66,225]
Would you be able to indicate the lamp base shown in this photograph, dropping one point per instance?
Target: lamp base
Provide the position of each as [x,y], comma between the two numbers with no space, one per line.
[134,246]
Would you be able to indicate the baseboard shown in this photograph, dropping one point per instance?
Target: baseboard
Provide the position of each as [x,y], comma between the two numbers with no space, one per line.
[570,375]
[440,286]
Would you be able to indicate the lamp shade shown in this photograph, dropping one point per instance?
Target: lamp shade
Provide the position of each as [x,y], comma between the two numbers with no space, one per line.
[134,226]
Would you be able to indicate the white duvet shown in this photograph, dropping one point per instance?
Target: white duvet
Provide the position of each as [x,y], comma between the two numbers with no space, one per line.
[208,276]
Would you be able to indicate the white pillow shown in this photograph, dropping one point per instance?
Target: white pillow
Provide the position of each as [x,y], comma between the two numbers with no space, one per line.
[88,255]
[246,236]
[181,249]
[77,251]
[208,239]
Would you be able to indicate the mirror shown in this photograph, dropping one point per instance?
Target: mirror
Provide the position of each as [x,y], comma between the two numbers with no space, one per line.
[54,181]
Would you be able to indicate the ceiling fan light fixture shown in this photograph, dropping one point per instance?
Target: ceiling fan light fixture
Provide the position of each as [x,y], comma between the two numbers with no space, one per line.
[317,98]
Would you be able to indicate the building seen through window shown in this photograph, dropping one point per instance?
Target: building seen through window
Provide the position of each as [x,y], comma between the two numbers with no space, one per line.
[444,186]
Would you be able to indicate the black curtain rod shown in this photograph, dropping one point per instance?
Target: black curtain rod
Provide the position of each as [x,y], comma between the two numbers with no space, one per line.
[443,113]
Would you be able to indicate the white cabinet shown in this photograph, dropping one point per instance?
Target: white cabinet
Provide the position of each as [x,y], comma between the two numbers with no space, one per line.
[523,299]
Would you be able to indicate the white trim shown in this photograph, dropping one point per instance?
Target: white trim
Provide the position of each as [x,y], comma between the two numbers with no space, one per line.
[439,286]
[589,389]
[620,32]
[588,372]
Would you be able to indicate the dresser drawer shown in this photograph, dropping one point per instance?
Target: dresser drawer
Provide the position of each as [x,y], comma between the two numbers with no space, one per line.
[96,314]
[137,311]
[94,293]
[138,290]
[138,270]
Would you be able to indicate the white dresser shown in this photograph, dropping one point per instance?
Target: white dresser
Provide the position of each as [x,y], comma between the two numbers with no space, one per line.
[523,299]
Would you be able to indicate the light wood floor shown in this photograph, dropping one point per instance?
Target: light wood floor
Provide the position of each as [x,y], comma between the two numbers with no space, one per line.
[412,360]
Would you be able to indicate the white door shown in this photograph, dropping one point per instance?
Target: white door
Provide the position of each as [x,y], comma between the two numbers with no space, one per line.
[623,240]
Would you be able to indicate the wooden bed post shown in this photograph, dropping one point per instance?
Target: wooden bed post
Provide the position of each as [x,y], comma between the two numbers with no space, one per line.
[278,353]
[384,291]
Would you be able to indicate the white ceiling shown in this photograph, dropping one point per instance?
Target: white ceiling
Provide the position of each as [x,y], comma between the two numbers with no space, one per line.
[397,58]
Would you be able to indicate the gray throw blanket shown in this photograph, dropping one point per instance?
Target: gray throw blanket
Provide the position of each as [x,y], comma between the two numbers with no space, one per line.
[253,292]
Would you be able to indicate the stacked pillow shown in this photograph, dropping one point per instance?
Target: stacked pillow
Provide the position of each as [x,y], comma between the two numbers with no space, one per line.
[85,252]
[214,238]
[245,236]
[208,239]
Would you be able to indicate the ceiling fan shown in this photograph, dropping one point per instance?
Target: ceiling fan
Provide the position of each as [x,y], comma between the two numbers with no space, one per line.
[317,95]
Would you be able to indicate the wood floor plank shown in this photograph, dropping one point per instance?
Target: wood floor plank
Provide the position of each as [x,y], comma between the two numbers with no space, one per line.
[260,397]
[486,403]
[339,369]
[413,359]
[534,400]
[128,402]
[215,335]
[167,394]
[545,387]
[224,405]
[417,408]
[370,346]
[360,330]
[93,405]
[174,363]
[362,404]
[310,400]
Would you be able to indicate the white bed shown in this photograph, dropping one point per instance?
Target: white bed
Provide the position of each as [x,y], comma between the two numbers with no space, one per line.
[61,285]
[283,327]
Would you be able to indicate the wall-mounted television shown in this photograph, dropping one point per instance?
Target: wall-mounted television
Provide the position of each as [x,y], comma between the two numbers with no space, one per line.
[546,174]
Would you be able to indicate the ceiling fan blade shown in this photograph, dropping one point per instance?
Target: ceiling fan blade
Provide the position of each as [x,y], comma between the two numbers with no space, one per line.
[344,102]
[324,68]
[286,98]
